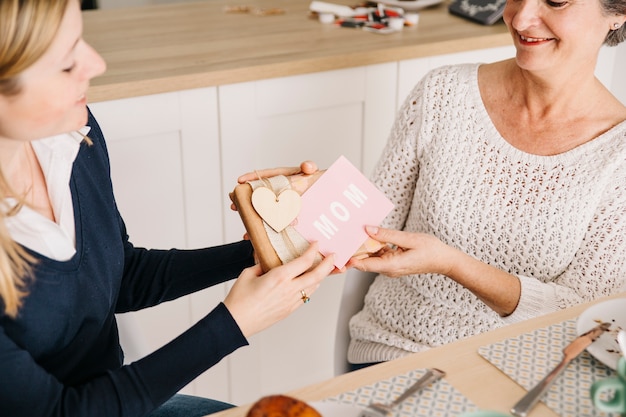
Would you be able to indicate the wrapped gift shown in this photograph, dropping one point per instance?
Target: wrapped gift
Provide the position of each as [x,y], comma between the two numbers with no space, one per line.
[269,208]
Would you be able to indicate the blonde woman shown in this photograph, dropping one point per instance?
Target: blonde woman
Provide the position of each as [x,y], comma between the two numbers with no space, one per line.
[66,264]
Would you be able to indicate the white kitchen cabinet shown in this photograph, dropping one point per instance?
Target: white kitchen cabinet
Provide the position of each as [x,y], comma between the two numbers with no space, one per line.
[165,167]
[281,122]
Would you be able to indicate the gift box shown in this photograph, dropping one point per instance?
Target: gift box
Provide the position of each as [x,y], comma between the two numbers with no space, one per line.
[268,208]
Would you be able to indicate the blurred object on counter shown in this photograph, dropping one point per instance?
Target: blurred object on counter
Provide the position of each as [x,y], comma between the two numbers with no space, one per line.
[410,5]
[486,12]
[336,9]
[369,16]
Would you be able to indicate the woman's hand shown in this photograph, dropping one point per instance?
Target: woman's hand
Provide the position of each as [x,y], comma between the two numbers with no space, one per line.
[418,253]
[257,301]
[405,253]
[306,167]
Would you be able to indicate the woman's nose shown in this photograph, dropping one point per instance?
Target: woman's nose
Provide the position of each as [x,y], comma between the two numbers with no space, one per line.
[94,65]
[526,14]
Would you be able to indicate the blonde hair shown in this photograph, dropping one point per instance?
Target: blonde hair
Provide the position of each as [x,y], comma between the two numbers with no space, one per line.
[27,28]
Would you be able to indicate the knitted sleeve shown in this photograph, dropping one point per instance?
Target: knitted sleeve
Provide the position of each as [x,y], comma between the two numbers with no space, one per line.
[598,267]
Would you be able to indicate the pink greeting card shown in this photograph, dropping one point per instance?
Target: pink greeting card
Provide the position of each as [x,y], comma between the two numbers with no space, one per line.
[336,209]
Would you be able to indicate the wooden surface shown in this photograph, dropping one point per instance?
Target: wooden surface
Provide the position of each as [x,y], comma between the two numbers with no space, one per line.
[162,48]
[476,378]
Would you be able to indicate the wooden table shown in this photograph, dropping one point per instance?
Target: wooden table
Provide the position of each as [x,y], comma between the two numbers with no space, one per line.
[477,379]
[171,47]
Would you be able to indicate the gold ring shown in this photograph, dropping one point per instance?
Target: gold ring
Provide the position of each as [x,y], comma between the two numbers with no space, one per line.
[305,298]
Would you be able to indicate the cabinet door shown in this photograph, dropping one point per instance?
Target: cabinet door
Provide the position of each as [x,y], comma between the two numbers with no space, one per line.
[281,122]
[165,170]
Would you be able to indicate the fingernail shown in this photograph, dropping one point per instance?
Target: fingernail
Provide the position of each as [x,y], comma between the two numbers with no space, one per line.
[372,230]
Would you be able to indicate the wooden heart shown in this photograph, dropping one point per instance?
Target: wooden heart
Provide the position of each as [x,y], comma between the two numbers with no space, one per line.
[277,211]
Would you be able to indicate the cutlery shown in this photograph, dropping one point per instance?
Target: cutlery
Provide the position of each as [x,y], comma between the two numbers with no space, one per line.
[570,352]
[381,410]
[621,341]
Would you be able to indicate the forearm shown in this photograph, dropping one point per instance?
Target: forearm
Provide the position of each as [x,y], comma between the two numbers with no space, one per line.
[498,289]
[28,389]
[154,276]
[419,253]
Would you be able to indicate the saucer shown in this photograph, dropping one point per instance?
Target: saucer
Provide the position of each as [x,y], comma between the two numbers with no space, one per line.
[606,348]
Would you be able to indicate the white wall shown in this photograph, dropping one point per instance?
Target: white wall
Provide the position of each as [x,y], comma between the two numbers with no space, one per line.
[618,86]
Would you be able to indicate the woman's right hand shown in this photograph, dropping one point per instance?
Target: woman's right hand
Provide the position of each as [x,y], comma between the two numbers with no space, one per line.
[405,253]
[419,253]
[257,301]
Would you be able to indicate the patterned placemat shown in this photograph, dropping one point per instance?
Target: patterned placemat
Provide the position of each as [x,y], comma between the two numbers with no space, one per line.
[437,400]
[526,359]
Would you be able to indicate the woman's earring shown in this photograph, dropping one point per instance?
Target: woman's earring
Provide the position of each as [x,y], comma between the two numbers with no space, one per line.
[616,25]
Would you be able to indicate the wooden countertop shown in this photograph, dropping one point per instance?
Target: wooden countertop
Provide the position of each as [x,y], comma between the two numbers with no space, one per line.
[157,49]
[476,378]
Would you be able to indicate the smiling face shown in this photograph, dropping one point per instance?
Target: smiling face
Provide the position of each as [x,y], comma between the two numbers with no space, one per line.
[557,36]
[51,97]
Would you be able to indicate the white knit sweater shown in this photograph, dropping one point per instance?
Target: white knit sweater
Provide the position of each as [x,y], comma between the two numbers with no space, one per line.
[557,222]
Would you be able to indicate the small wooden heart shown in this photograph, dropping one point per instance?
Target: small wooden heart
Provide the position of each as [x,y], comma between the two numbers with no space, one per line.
[278,211]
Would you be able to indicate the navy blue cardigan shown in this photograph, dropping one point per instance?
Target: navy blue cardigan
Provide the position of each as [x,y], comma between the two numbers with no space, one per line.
[61,356]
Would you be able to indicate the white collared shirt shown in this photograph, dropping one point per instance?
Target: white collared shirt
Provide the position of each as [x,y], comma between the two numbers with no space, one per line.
[55,240]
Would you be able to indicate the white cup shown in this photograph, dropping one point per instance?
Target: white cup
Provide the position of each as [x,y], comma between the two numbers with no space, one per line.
[326,17]
[412,18]
[396,23]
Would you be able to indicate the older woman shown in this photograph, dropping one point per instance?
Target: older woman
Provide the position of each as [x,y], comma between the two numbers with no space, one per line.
[66,264]
[509,181]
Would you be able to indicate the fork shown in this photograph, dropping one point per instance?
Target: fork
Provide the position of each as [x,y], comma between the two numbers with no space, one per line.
[381,410]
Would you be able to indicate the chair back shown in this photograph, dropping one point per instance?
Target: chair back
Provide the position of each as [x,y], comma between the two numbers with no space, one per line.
[355,287]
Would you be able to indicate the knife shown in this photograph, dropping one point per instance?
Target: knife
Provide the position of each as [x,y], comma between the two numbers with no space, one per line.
[570,352]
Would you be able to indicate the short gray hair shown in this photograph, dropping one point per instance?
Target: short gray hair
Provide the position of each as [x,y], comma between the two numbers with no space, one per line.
[612,8]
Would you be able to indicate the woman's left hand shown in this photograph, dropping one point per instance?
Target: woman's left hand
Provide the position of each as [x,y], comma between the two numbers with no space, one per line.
[306,167]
